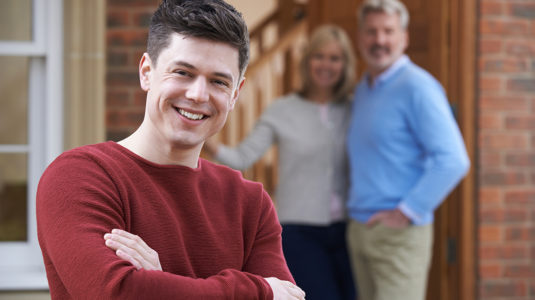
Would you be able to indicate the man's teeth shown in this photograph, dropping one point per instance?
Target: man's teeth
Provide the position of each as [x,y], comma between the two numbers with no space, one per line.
[190,115]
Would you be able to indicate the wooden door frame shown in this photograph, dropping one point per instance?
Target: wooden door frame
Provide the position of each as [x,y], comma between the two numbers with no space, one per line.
[463,57]
[455,248]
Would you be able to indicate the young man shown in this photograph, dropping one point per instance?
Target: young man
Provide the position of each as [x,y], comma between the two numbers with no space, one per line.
[211,233]
[406,154]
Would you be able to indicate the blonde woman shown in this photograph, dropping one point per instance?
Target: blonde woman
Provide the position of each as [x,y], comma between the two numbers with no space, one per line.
[308,127]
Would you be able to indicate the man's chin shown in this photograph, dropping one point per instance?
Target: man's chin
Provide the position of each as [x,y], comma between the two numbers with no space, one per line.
[185,143]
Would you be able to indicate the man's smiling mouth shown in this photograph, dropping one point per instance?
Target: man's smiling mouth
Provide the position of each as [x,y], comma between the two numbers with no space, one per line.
[189,115]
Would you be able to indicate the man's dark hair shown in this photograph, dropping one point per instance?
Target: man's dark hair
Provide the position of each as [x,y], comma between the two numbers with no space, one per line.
[210,19]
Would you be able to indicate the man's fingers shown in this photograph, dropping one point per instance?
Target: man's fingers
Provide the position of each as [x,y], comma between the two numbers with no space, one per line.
[129,240]
[129,236]
[374,220]
[139,254]
[295,290]
[126,253]
[283,289]
[128,258]
[389,218]
[134,239]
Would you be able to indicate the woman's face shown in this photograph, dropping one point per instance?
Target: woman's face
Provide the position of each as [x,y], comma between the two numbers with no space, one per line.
[326,66]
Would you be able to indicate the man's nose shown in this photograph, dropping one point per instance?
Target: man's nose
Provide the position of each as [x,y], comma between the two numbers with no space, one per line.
[197,91]
[380,37]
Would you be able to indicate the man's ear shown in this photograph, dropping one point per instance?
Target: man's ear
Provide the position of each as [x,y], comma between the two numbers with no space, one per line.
[236,93]
[145,67]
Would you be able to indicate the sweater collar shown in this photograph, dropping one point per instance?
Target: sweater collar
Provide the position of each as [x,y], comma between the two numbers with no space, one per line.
[388,73]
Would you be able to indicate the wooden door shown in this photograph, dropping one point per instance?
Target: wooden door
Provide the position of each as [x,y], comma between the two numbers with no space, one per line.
[442,41]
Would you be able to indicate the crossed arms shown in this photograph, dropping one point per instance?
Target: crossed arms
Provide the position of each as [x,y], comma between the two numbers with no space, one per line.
[133,249]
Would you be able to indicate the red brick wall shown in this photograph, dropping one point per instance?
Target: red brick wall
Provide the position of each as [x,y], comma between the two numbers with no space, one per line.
[126,35]
[506,149]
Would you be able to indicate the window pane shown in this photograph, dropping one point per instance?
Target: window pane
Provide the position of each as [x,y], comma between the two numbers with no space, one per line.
[14,100]
[13,197]
[16,20]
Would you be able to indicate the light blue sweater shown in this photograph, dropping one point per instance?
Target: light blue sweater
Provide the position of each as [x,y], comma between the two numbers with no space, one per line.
[405,148]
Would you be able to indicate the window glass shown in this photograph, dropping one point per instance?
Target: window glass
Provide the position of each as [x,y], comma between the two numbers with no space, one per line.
[14,100]
[13,197]
[16,20]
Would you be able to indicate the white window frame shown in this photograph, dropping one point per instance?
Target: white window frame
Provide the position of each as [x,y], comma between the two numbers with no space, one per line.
[21,263]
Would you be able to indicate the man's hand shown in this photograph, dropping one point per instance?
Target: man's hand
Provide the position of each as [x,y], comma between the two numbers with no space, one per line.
[389,218]
[133,249]
[285,290]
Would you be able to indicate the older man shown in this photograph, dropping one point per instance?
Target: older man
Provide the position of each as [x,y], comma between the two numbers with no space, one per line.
[406,154]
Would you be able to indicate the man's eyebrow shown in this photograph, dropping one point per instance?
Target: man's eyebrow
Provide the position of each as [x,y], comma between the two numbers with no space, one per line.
[184,64]
[190,66]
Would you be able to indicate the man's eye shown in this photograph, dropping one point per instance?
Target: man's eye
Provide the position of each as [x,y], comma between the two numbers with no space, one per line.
[221,83]
[181,73]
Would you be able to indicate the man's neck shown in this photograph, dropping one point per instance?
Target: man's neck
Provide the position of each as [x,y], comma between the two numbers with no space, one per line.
[153,150]
[376,74]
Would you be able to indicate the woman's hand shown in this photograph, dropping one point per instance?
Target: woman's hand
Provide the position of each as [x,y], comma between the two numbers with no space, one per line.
[133,249]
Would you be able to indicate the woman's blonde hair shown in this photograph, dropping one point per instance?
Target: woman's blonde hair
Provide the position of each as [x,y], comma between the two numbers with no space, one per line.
[319,38]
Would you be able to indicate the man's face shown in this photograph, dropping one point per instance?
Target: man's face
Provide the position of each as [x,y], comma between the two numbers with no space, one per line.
[382,40]
[190,91]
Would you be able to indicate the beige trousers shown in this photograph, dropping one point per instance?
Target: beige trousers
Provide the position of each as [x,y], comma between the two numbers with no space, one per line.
[390,263]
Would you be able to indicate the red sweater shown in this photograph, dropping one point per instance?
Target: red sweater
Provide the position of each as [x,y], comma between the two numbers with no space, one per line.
[216,234]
